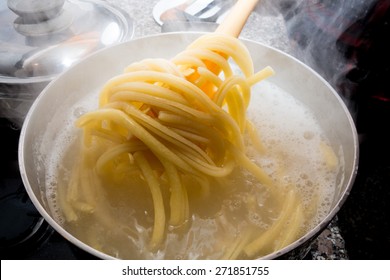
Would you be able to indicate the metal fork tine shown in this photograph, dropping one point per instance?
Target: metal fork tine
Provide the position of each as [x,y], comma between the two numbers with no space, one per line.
[225,5]
[207,8]
[197,6]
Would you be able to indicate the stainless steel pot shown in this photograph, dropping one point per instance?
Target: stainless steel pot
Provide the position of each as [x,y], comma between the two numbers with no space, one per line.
[55,105]
[40,39]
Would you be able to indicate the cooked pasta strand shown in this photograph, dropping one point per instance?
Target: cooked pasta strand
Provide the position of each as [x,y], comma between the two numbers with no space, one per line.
[158,203]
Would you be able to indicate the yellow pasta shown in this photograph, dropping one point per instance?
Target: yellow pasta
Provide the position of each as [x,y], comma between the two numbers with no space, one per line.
[177,123]
[159,215]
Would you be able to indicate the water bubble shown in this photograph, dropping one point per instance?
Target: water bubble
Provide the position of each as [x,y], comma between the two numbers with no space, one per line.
[79,111]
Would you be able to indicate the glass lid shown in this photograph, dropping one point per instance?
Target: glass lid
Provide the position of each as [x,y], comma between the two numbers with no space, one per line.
[41,38]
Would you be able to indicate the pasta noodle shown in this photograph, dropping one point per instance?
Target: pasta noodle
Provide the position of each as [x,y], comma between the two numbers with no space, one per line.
[179,122]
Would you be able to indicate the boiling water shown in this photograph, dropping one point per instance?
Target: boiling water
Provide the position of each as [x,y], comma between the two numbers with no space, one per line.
[294,156]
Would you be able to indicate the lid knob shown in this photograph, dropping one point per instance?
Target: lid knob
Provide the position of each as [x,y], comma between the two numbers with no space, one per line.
[35,10]
[39,17]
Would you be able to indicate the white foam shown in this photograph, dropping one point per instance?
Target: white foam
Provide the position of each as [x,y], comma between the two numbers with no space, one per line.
[63,139]
[289,130]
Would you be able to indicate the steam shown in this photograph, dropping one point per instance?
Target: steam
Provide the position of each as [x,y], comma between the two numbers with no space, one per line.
[323,34]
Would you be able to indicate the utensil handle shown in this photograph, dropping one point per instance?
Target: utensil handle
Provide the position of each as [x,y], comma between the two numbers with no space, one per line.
[235,20]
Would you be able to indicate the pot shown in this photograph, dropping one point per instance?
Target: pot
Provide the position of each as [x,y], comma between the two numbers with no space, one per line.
[41,39]
[51,110]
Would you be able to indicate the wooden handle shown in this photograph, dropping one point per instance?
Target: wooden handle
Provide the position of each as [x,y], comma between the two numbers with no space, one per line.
[235,20]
